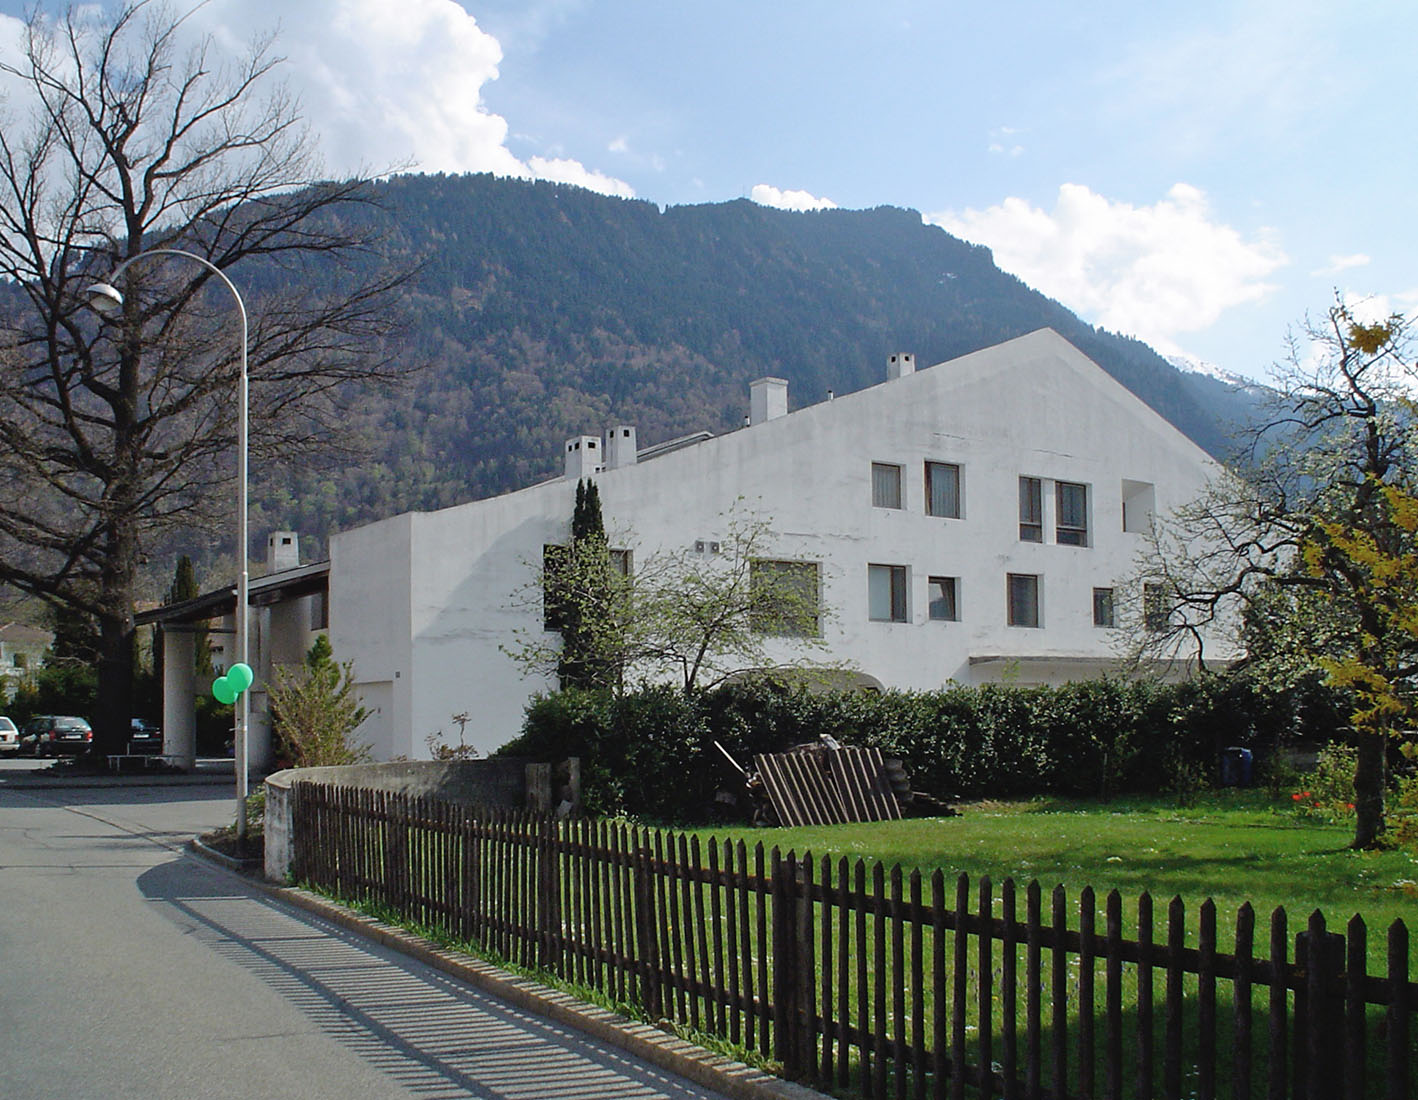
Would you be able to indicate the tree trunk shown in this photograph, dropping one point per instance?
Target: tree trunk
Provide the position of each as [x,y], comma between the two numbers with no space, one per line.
[1370,783]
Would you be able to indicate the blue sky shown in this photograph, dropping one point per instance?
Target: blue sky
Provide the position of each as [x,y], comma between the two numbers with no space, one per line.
[1197,174]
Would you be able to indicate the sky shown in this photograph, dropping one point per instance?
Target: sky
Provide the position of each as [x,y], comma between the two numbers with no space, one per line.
[1200,175]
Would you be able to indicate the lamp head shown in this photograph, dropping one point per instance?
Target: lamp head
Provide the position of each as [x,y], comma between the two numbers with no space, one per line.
[104,298]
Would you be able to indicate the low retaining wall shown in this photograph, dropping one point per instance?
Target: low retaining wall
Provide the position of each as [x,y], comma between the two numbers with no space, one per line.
[510,783]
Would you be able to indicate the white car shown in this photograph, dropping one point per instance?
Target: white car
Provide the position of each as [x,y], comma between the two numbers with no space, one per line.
[9,736]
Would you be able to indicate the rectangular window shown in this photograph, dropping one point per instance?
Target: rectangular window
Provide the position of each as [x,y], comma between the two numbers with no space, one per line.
[1023,599]
[1103,607]
[1154,607]
[945,604]
[885,485]
[785,598]
[886,593]
[943,490]
[1139,502]
[1031,509]
[320,611]
[1071,526]
[621,562]
[553,565]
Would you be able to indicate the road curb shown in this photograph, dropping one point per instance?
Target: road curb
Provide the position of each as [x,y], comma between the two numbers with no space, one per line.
[665,1051]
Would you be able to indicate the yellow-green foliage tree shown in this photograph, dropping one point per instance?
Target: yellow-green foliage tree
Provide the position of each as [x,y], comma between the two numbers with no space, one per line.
[315,711]
[1309,538]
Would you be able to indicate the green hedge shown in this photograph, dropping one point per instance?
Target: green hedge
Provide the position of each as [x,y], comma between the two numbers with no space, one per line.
[650,753]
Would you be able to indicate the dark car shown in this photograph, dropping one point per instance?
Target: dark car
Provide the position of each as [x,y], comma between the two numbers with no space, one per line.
[144,737]
[56,735]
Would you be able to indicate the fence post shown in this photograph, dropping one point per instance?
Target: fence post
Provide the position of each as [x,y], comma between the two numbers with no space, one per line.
[1319,1011]
[643,871]
[785,999]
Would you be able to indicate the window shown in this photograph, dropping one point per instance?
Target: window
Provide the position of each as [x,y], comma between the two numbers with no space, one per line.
[886,593]
[885,485]
[945,604]
[570,586]
[1071,528]
[1023,599]
[1154,607]
[943,490]
[1139,502]
[319,611]
[1031,509]
[553,565]
[1103,607]
[784,598]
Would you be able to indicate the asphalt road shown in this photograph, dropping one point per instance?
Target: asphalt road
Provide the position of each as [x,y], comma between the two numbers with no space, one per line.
[129,968]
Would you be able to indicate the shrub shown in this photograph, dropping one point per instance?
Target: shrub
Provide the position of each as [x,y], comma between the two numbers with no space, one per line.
[651,753]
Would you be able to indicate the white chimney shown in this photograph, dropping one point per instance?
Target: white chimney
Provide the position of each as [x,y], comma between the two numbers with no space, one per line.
[767,399]
[900,364]
[583,456]
[620,447]
[282,551]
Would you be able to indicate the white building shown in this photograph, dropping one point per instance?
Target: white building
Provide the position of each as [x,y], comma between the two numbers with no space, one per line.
[968,523]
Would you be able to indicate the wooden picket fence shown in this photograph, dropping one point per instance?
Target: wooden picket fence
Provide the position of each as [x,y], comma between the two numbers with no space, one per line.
[883,983]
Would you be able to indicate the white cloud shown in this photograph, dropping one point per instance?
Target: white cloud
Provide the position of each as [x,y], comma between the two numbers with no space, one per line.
[767,195]
[1342,263]
[383,84]
[573,171]
[618,145]
[1154,272]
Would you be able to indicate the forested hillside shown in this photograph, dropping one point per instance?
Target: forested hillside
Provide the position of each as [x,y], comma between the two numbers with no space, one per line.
[541,311]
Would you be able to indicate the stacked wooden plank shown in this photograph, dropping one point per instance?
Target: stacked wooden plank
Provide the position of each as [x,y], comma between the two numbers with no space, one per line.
[821,786]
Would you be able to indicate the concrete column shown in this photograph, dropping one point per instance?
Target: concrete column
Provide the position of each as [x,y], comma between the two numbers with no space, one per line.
[179,699]
[260,756]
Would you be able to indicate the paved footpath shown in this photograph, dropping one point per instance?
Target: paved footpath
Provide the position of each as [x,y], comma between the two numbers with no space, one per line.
[129,968]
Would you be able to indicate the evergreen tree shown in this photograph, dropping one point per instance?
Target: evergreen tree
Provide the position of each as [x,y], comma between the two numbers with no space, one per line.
[581,591]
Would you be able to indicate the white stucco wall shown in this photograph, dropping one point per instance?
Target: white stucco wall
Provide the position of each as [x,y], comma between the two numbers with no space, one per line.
[424,602]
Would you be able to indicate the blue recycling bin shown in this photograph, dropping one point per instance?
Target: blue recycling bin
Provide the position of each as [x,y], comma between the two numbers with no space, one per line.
[1235,767]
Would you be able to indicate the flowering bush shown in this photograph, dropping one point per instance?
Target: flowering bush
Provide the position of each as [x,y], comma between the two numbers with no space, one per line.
[1328,793]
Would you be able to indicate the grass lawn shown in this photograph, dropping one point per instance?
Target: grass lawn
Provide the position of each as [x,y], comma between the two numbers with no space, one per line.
[1232,846]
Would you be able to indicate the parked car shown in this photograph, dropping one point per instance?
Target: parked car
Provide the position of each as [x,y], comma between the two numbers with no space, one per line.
[144,737]
[56,735]
[9,736]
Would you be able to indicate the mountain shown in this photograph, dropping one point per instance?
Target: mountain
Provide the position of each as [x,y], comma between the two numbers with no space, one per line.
[541,311]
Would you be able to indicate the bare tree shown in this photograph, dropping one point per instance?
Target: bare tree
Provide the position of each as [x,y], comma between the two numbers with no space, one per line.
[1303,544]
[683,614]
[116,434]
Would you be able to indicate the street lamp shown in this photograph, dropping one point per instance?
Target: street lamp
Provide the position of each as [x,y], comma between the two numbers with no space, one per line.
[106,298]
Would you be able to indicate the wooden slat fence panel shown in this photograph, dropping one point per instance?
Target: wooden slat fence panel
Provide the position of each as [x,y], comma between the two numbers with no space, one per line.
[852,976]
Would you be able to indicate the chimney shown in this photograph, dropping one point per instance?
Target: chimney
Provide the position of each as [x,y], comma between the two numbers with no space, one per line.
[900,364]
[620,447]
[282,551]
[767,399]
[583,456]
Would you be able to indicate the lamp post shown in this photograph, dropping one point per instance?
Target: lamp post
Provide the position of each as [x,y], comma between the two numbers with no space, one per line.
[105,298]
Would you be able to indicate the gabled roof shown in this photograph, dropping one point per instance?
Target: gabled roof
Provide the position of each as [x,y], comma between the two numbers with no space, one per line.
[20,634]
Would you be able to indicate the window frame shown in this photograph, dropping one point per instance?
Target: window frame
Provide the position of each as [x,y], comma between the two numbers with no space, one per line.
[1156,616]
[1012,609]
[949,594]
[1070,534]
[877,500]
[1031,509]
[954,468]
[779,627]
[1104,600]
[898,593]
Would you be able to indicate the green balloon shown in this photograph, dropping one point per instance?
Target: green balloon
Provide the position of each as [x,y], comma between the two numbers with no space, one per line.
[222,691]
[239,676]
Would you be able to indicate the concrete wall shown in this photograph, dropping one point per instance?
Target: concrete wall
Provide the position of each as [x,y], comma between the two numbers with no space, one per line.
[499,783]
[432,595]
